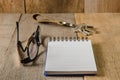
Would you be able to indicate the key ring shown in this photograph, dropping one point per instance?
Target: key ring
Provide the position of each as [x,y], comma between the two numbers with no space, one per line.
[81,28]
[46,20]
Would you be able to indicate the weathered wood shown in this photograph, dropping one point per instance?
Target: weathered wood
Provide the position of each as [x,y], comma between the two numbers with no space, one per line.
[9,18]
[105,44]
[11,6]
[102,6]
[7,28]
[13,69]
[91,6]
[55,6]
[46,6]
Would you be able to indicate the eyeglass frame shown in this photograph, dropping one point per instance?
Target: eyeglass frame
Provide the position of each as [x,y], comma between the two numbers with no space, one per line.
[34,36]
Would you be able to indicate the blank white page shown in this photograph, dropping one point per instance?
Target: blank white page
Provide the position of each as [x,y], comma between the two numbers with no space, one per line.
[70,56]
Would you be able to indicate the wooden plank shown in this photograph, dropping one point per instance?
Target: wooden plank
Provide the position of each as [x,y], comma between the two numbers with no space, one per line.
[7,27]
[27,23]
[102,6]
[11,6]
[9,18]
[91,6]
[105,44]
[14,70]
[109,6]
[6,33]
[46,6]
[53,6]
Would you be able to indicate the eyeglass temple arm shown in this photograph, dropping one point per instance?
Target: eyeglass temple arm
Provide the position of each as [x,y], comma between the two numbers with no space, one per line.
[17,27]
[38,28]
[37,34]
[18,42]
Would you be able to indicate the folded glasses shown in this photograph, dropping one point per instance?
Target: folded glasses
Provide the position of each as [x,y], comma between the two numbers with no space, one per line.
[30,52]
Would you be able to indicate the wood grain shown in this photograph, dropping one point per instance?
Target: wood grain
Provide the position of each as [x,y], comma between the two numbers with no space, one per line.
[102,6]
[90,6]
[8,19]
[55,6]
[7,28]
[11,66]
[105,44]
[59,6]
[11,6]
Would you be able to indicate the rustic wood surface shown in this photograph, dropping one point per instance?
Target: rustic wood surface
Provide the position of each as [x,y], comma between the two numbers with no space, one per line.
[106,44]
[101,6]
[62,6]
[54,6]
[91,6]
[6,19]
[12,69]
[7,28]
[12,6]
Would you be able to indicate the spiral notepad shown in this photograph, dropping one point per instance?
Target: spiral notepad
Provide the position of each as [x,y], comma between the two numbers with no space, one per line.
[70,56]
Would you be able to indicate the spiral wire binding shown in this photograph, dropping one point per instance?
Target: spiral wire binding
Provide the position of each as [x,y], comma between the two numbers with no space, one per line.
[68,39]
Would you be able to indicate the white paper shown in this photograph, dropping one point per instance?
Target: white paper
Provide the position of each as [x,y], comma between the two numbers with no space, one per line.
[70,56]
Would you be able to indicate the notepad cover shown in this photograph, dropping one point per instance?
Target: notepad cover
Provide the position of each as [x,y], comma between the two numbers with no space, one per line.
[70,57]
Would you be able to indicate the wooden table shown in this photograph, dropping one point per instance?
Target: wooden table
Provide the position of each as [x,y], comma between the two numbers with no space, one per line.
[106,45]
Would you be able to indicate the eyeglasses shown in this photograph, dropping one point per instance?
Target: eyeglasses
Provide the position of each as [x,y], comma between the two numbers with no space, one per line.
[30,52]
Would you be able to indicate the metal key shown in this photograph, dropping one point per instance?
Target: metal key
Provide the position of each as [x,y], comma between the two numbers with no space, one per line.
[85,29]
[82,28]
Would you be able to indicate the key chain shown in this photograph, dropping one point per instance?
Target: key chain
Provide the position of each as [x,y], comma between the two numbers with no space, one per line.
[81,28]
